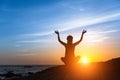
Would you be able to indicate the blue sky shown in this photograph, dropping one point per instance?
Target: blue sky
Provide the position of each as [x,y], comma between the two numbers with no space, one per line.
[27,26]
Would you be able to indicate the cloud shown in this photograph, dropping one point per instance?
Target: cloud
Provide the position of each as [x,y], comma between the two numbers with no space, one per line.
[109,31]
[17,45]
[77,23]
[94,36]
[103,32]
[99,36]
[38,34]
[98,39]
[32,41]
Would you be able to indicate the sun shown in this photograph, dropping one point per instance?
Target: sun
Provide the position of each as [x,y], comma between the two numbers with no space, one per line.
[84,60]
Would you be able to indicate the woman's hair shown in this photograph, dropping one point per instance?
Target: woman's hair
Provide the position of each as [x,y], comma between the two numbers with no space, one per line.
[69,38]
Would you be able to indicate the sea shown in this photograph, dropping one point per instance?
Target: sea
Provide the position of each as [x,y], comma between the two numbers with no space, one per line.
[23,69]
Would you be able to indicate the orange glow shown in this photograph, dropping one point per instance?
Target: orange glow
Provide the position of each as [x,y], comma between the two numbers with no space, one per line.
[84,60]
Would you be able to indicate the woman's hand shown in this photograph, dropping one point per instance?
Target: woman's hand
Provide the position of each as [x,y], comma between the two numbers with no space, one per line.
[56,31]
[84,31]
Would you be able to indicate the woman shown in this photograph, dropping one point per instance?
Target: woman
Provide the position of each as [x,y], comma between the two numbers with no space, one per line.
[70,48]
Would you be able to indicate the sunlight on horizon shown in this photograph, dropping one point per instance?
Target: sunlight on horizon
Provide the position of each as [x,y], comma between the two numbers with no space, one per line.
[84,60]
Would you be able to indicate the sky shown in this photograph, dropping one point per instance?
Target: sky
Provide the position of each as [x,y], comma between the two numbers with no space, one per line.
[27,30]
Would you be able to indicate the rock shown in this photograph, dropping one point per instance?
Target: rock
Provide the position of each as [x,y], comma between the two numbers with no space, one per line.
[109,70]
[93,71]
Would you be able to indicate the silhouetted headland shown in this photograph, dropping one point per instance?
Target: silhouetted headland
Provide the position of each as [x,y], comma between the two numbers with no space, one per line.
[108,70]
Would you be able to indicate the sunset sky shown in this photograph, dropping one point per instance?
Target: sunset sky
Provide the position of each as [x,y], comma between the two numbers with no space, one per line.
[27,30]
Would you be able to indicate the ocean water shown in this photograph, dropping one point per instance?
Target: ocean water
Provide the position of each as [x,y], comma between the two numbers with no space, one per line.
[23,69]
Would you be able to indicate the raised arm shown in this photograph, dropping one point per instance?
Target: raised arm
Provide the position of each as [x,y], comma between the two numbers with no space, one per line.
[63,43]
[83,32]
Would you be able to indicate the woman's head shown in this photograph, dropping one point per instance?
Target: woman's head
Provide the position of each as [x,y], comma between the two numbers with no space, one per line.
[69,38]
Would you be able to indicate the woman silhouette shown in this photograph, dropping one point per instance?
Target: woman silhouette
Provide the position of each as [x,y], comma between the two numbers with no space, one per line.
[70,48]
